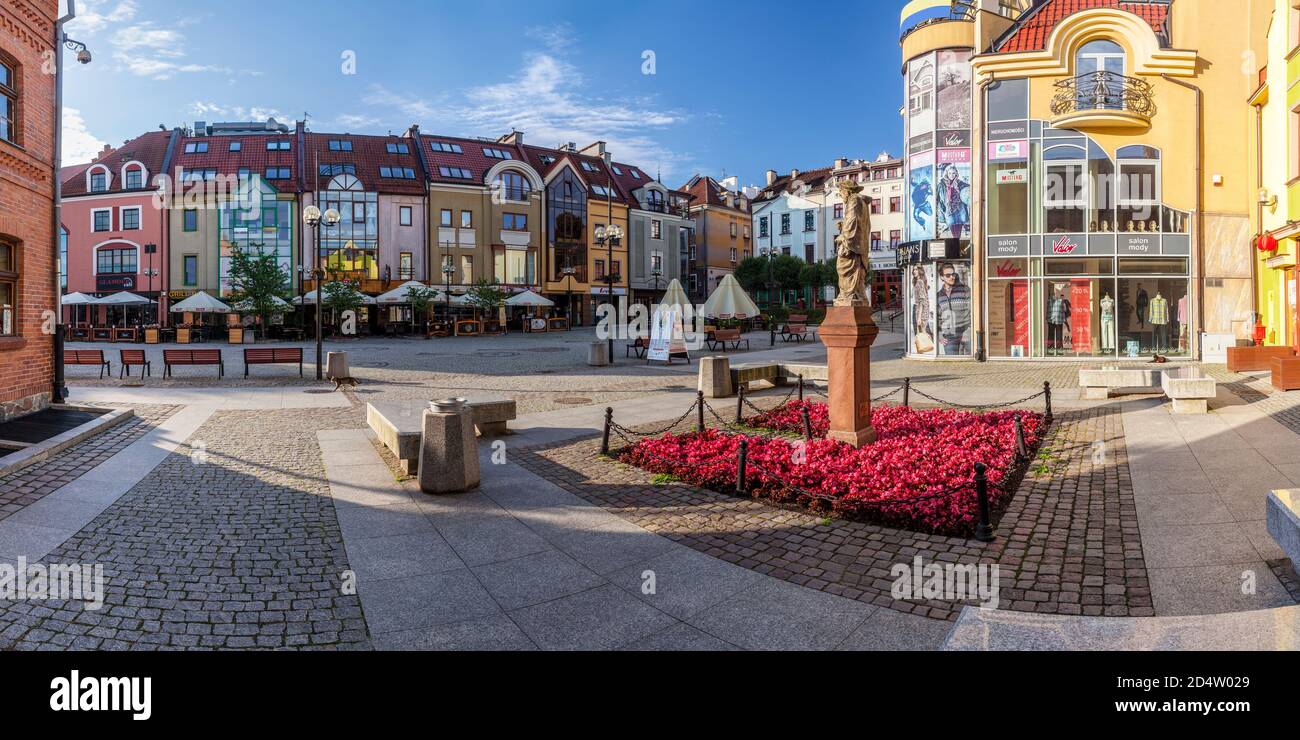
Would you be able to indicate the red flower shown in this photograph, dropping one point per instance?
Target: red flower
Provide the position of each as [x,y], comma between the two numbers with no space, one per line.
[896,480]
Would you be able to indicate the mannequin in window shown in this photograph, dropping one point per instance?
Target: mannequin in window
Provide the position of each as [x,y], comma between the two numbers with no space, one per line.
[1058,319]
[1141,226]
[1159,316]
[1142,302]
[1105,227]
[1130,227]
[1153,227]
[1182,324]
[1107,323]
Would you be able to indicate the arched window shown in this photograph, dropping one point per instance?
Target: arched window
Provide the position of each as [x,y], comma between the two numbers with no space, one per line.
[655,200]
[514,186]
[1100,66]
[8,99]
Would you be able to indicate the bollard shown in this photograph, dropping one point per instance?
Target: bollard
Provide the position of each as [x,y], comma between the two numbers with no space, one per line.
[983,531]
[1021,451]
[907,393]
[699,412]
[741,464]
[609,421]
[801,387]
[740,404]
[1047,398]
[807,424]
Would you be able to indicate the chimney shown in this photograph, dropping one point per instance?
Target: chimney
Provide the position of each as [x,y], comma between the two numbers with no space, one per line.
[514,137]
[107,150]
[794,174]
[594,149]
[771,177]
[841,163]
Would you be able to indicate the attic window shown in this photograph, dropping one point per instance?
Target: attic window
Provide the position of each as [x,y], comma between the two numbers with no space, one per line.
[340,145]
[497,153]
[588,166]
[443,146]
[196,147]
[236,146]
[617,171]
[635,174]
[277,146]
[459,173]
[398,149]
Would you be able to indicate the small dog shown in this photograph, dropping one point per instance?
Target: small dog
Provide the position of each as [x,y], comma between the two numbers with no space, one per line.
[1159,359]
[340,382]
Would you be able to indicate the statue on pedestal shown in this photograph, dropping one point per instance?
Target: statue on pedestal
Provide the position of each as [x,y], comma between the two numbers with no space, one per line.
[853,245]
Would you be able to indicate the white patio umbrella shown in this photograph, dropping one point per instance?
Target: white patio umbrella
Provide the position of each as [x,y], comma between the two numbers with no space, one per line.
[398,295]
[309,299]
[78,299]
[200,302]
[530,299]
[124,298]
[278,305]
[674,295]
[730,301]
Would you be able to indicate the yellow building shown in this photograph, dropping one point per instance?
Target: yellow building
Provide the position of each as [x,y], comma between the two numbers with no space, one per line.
[1080,179]
[1277,159]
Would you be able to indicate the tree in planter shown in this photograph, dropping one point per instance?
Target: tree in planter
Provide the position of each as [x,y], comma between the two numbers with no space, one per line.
[340,296]
[486,296]
[256,281]
[421,299]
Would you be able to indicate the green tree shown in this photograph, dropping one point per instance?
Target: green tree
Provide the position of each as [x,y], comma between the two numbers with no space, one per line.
[256,281]
[340,296]
[421,299]
[485,295]
[751,273]
[785,273]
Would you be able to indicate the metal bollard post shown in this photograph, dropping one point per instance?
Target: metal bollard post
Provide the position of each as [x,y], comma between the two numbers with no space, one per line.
[983,530]
[801,387]
[740,404]
[907,392]
[807,424]
[1047,398]
[699,412]
[609,421]
[741,465]
[1021,450]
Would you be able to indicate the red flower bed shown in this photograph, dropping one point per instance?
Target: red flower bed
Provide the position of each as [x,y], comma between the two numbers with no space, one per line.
[916,454]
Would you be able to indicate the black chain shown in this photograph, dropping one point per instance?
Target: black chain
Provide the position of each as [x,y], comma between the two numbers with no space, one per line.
[978,407]
[616,426]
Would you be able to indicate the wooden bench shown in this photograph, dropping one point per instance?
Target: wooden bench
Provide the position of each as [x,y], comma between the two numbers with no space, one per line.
[193,357]
[134,358]
[723,337]
[88,357]
[639,347]
[1247,359]
[400,424]
[273,356]
[795,333]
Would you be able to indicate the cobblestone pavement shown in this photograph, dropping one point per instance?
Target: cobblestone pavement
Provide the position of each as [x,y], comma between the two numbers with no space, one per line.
[30,484]
[1068,543]
[232,542]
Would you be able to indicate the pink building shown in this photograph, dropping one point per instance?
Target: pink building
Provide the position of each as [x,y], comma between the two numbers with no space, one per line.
[116,232]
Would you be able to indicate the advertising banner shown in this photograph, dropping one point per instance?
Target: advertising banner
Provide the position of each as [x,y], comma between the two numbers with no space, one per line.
[952,199]
[921,222]
[954,90]
[920,96]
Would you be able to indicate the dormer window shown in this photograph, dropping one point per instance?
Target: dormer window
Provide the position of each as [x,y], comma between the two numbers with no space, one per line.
[134,178]
[99,182]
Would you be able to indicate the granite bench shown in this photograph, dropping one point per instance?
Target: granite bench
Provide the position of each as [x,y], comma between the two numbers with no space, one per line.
[1282,517]
[399,424]
[1098,382]
[1189,389]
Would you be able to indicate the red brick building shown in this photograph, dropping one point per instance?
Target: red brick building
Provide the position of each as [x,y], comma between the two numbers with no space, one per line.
[28,248]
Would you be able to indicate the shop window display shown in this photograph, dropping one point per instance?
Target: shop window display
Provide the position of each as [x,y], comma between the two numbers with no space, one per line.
[1008,302]
[1153,316]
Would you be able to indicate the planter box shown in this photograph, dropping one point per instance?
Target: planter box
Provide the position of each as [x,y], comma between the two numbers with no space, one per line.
[1286,373]
[1247,359]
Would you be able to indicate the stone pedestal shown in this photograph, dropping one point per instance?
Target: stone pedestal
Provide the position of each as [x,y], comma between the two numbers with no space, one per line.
[848,333]
[448,448]
[598,354]
[715,377]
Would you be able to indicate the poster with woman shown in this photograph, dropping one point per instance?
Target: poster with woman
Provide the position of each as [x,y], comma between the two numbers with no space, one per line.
[952,194]
[920,225]
[954,90]
[921,315]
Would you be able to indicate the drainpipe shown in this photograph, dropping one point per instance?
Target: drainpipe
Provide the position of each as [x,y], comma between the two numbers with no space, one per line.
[978,237]
[1199,234]
[1259,208]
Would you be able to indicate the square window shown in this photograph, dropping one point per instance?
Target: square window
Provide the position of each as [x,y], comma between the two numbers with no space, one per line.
[445,218]
[466,219]
[130,219]
[103,220]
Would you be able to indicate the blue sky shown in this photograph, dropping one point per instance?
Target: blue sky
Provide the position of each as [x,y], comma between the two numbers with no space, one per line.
[738,88]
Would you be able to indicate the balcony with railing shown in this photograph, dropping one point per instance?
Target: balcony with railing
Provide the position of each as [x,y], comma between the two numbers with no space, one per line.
[1103,100]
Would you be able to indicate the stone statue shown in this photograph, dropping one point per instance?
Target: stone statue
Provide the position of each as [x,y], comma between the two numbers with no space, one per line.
[852,246]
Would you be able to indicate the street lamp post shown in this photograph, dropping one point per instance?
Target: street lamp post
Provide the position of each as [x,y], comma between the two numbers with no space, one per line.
[568,272]
[448,269]
[609,238]
[61,41]
[312,216]
[771,325]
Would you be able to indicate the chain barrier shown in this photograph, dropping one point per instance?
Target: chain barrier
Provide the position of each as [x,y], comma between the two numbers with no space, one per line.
[615,425]
[977,407]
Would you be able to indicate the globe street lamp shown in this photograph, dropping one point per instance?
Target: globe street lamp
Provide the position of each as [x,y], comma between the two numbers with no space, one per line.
[609,238]
[312,216]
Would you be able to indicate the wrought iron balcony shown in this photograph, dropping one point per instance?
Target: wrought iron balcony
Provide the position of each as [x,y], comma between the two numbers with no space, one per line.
[1103,100]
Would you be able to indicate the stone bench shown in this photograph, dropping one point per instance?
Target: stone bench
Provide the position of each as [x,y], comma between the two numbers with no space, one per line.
[1282,516]
[1098,382]
[774,373]
[399,424]
[1189,389]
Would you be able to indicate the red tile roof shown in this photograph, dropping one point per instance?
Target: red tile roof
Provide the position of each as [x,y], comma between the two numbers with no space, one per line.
[601,176]
[705,191]
[814,179]
[368,155]
[1030,33]
[149,149]
[252,155]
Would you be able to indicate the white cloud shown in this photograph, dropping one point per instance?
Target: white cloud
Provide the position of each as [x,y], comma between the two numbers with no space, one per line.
[557,37]
[79,145]
[95,15]
[381,97]
[145,37]
[207,109]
